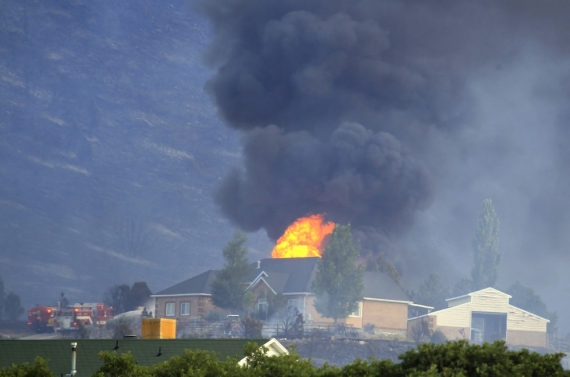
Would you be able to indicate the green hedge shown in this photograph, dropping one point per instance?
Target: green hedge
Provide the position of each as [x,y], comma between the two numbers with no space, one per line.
[449,359]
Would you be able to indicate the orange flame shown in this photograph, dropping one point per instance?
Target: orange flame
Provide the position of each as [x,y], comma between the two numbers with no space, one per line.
[304,238]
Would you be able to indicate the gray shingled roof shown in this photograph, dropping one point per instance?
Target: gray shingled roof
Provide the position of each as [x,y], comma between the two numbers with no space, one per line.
[144,351]
[291,275]
[195,285]
[381,286]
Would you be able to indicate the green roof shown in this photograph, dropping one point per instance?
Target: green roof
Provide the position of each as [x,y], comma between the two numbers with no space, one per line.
[145,351]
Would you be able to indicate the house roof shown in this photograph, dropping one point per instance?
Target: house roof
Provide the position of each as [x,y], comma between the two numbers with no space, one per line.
[199,284]
[290,276]
[144,351]
[286,275]
[480,290]
[381,286]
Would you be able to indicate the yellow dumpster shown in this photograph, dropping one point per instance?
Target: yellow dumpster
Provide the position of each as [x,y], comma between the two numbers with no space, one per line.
[158,328]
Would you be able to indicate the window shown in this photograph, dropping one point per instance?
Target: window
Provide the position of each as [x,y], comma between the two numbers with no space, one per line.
[185,308]
[292,303]
[262,304]
[170,309]
[357,312]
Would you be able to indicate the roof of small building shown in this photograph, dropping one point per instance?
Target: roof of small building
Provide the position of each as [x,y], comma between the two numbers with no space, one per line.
[199,284]
[144,351]
[488,289]
[381,286]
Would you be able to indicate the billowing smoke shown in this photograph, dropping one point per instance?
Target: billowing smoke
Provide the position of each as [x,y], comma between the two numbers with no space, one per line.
[353,176]
[371,111]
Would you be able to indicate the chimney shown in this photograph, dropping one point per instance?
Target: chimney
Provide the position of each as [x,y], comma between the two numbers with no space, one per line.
[258,264]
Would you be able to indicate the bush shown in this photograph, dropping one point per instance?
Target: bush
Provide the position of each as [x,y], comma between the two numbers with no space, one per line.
[38,369]
[213,316]
[84,331]
[420,331]
[438,337]
[122,327]
[450,359]
[252,327]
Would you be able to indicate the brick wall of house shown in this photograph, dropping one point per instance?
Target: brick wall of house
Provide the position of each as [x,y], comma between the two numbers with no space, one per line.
[199,306]
[385,316]
[526,338]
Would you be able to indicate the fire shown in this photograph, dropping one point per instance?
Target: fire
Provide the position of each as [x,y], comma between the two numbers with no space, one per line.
[304,238]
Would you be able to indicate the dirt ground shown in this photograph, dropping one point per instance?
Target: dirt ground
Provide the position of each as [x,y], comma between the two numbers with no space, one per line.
[340,352]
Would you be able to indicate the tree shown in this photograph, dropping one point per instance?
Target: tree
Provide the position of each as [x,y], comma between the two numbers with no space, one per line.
[291,322]
[12,306]
[432,292]
[338,282]
[382,264]
[526,299]
[486,253]
[117,296]
[228,288]
[138,295]
[462,287]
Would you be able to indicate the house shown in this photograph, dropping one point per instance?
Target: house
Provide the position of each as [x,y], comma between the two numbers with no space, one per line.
[189,299]
[385,305]
[484,316]
[146,352]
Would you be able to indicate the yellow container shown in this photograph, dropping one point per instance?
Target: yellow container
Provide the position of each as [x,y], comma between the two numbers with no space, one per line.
[158,328]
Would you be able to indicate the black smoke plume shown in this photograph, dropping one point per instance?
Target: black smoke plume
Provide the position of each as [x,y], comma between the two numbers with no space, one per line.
[355,176]
[366,109]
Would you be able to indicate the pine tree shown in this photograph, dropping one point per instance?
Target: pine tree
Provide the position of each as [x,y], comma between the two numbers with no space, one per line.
[339,282]
[228,289]
[486,253]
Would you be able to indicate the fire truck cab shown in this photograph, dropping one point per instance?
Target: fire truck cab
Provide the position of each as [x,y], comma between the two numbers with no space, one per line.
[42,318]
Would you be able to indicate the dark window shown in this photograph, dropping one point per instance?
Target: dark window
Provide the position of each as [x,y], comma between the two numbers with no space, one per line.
[487,327]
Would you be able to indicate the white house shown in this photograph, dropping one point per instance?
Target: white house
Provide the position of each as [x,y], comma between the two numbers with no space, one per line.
[484,316]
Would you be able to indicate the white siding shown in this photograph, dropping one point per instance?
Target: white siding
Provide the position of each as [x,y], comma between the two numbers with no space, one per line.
[520,320]
[490,301]
[457,316]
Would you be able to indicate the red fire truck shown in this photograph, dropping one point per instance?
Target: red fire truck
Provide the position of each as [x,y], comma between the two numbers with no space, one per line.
[49,319]
[42,318]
